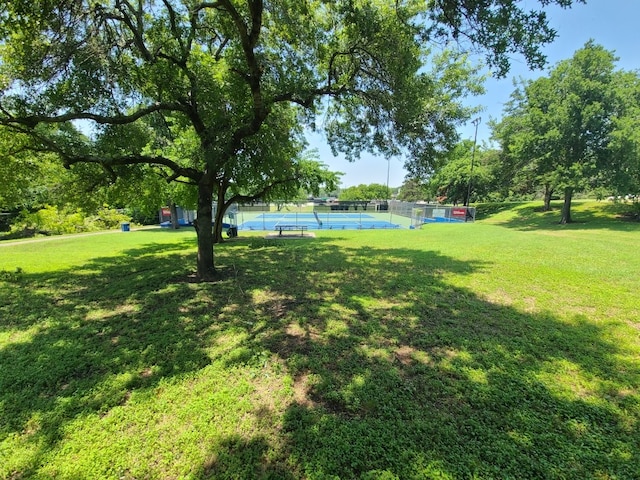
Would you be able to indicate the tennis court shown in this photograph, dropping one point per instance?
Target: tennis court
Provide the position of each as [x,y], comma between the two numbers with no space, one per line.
[319,221]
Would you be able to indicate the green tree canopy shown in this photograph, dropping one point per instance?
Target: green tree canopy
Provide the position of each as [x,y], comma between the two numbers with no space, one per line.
[412,190]
[372,191]
[573,129]
[624,143]
[29,179]
[464,173]
[235,77]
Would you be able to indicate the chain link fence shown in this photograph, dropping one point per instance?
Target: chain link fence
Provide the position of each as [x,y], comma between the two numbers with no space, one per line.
[421,213]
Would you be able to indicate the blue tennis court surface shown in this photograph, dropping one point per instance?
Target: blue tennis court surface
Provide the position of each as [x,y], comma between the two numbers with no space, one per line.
[317,221]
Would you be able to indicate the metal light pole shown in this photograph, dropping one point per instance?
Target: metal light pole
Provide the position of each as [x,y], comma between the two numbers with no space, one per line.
[475,122]
[388,192]
[388,169]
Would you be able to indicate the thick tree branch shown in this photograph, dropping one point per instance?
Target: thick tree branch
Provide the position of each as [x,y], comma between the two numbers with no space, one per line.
[175,31]
[45,144]
[309,97]
[260,194]
[255,8]
[134,159]
[32,120]
[218,53]
[249,41]
[205,5]
[136,28]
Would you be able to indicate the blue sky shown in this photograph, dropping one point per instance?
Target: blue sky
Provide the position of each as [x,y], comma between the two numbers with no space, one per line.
[610,23]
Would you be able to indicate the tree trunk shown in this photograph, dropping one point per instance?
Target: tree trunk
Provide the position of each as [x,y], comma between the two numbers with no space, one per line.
[205,266]
[174,215]
[566,207]
[548,191]
[217,226]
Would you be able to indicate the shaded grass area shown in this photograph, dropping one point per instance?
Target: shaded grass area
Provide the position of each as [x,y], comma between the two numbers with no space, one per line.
[586,215]
[457,351]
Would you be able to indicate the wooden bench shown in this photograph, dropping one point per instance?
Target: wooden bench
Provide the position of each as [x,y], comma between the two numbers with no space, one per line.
[290,228]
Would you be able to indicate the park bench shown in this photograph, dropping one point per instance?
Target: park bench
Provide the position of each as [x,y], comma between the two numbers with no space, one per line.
[289,228]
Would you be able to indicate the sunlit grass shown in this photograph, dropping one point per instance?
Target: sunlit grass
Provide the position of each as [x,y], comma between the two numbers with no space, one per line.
[505,348]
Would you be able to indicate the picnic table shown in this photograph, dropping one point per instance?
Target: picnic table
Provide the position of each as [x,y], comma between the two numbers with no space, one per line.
[290,228]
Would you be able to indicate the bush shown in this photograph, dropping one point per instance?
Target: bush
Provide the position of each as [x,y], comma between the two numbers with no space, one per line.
[108,218]
[52,220]
[48,221]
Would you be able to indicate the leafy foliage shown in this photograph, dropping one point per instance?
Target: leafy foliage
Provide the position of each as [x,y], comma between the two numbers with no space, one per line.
[373,191]
[412,190]
[457,178]
[52,220]
[213,93]
[29,179]
[566,131]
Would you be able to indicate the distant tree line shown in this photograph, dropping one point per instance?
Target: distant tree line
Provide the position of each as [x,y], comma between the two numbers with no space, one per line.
[373,191]
[575,130]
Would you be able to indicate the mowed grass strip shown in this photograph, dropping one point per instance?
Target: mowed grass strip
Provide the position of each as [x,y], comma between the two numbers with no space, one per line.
[505,348]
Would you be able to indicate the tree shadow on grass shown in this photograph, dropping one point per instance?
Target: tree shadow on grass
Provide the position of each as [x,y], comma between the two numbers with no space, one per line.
[395,372]
[392,370]
[608,216]
[83,340]
[238,457]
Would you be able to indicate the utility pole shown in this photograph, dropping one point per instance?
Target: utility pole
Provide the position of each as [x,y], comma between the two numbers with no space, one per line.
[388,169]
[475,122]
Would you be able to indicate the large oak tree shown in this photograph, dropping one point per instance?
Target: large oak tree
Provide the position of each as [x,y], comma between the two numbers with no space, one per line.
[239,75]
[574,128]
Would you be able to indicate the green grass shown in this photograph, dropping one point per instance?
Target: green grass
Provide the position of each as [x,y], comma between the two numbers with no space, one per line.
[508,348]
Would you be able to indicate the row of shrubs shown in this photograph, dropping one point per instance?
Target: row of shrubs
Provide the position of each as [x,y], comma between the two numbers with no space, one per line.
[52,220]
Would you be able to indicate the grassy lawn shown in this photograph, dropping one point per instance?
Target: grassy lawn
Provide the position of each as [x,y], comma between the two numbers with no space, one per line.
[508,348]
